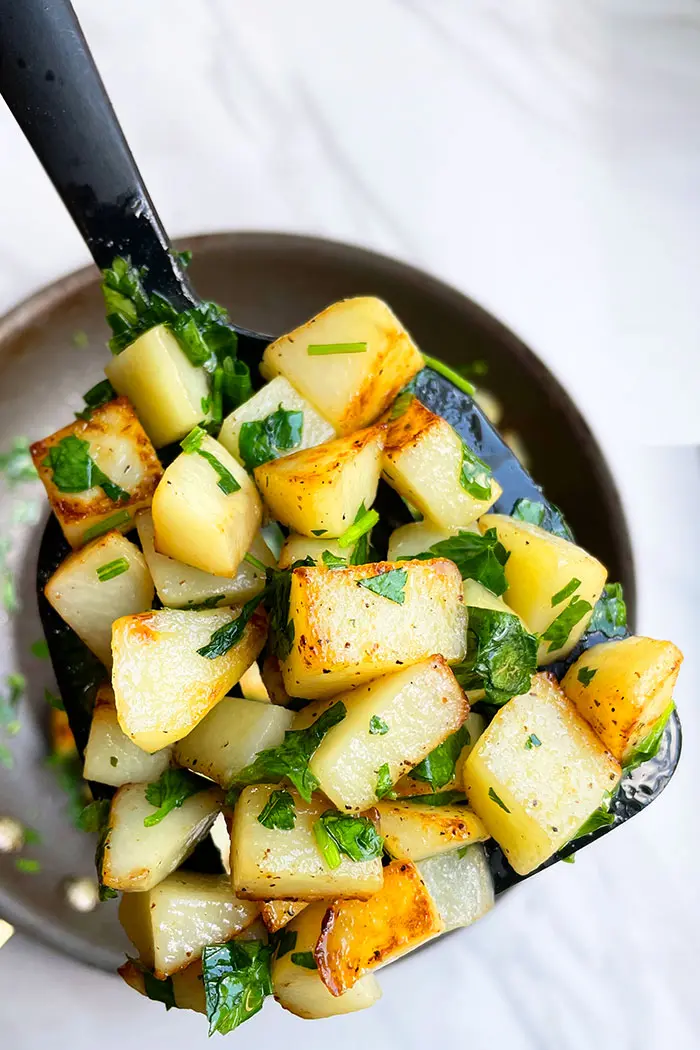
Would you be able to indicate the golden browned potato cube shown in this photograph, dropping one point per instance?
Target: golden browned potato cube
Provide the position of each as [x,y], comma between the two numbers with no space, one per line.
[549,579]
[536,774]
[428,464]
[296,548]
[323,488]
[276,914]
[275,864]
[350,389]
[345,633]
[118,446]
[413,832]
[271,674]
[162,685]
[110,757]
[475,724]
[622,688]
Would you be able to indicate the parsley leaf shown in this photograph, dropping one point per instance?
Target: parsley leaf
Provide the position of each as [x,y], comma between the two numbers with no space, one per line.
[438,768]
[610,612]
[236,982]
[159,991]
[586,675]
[437,798]
[264,439]
[229,634]
[99,394]
[193,444]
[95,818]
[279,812]
[276,598]
[384,781]
[74,470]
[285,941]
[546,516]
[305,959]
[475,475]
[377,726]
[480,558]
[499,801]
[600,818]
[501,656]
[649,745]
[170,791]
[355,837]
[566,591]
[533,741]
[389,584]
[332,561]
[561,627]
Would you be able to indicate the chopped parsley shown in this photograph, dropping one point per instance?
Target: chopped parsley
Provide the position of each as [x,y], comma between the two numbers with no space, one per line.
[319,532]
[354,837]
[255,562]
[586,675]
[480,558]
[570,859]
[285,941]
[27,866]
[390,584]
[649,744]
[332,561]
[229,634]
[111,569]
[54,701]
[437,798]
[99,394]
[305,959]
[157,990]
[600,818]
[170,791]
[361,551]
[325,349]
[566,591]
[401,405]
[279,812]
[193,444]
[546,516]
[264,439]
[74,470]
[114,521]
[16,464]
[475,475]
[95,818]
[499,801]
[211,602]
[384,781]
[501,655]
[560,628]
[438,768]
[377,726]
[533,741]
[236,982]
[610,612]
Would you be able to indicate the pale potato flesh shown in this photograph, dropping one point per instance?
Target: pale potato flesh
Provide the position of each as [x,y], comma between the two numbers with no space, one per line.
[110,757]
[272,864]
[414,832]
[421,705]
[349,390]
[162,686]
[344,634]
[460,884]
[172,923]
[300,990]
[164,387]
[422,460]
[296,548]
[181,586]
[548,789]
[630,689]
[276,914]
[252,685]
[89,605]
[137,858]
[119,446]
[315,429]
[198,524]
[230,737]
[323,487]
[418,537]
[477,596]
[540,565]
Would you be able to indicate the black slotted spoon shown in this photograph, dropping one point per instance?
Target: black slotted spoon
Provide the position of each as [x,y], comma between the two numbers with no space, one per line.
[50,83]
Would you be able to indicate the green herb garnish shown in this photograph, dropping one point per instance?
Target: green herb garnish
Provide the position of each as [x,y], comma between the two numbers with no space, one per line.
[319,532]
[74,470]
[361,551]
[305,959]
[499,802]
[114,521]
[501,656]
[566,591]
[480,558]
[600,818]
[437,798]
[229,634]
[16,464]
[170,791]
[95,818]
[649,745]
[384,781]
[362,525]
[324,349]
[475,475]
[157,990]
[193,444]
[99,394]
[533,741]
[560,628]
[449,373]
[27,866]
[54,701]
[546,516]
[236,982]
[110,569]
[355,837]
[261,440]
[401,405]
[438,768]
[377,726]
[390,584]
[586,675]
[610,613]
[332,561]
[286,941]
[570,859]
[279,812]
[255,562]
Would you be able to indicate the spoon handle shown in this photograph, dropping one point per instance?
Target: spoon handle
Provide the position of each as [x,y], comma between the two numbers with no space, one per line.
[50,83]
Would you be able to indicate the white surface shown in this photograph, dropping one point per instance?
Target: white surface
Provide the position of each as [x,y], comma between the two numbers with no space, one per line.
[544,157]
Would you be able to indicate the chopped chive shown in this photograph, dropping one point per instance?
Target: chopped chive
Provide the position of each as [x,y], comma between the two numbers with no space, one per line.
[114,521]
[110,569]
[193,440]
[255,562]
[192,443]
[324,349]
[351,535]
[449,373]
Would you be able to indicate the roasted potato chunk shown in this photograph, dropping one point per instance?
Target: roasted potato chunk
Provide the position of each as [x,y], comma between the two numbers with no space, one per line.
[345,633]
[187,985]
[300,989]
[622,688]
[252,685]
[112,445]
[358,936]
[162,685]
[410,785]
[460,884]
[271,674]
[323,488]
[414,832]
[350,389]
[429,465]
[276,914]
[418,537]
[552,584]
[536,774]
[296,548]
[94,586]
[275,864]
[110,757]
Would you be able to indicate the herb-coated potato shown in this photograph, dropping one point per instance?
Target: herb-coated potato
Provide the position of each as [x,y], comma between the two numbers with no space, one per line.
[230,737]
[167,391]
[536,774]
[195,521]
[276,914]
[300,989]
[460,884]
[119,446]
[421,705]
[540,568]
[170,924]
[422,459]
[414,832]
[252,685]
[162,686]
[358,936]
[345,634]
[187,985]
[323,487]
[418,537]
[181,586]
[622,688]
[296,548]
[274,864]
[349,389]
[315,429]
[110,757]
[90,605]
[138,857]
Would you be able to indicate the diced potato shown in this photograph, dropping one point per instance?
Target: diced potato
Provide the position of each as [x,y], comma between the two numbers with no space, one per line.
[300,990]
[421,705]
[324,487]
[536,774]
[624,688]
[272,864]
[162,686]
[414,832]
[460,884]
[422,460]
[540,567]
[418,537]
[110,757]
[118,445]
[345,634]
[90,605]
[252,685]
[171,924]
[271,675]
[477,596]
[187,985]
[138,857]
[350,389]
[230,737]
[296,548]
[199,524]
[357,936]
[167,391]
[276,914]
[315,429]
[407,785]
[181,586]
[6,931]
